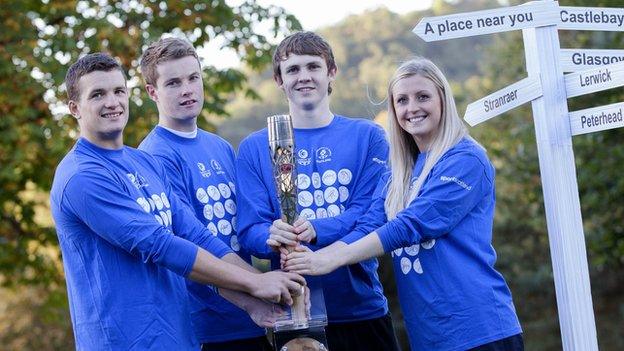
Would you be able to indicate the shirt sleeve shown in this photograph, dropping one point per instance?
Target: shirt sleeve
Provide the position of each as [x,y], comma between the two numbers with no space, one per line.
[374,218]
[331,229]
[255,207]
[109,212]
[455,186]
[185,224]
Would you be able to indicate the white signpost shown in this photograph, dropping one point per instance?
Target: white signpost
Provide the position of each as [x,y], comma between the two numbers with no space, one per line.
[573,60]
[503,100]
[548,90]
[594,79]
[596,119]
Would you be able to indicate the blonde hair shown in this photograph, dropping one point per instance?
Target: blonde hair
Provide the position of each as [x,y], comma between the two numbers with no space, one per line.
[403,148]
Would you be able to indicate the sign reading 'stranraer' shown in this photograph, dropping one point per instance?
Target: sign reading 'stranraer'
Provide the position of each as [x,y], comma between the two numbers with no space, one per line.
[503,100]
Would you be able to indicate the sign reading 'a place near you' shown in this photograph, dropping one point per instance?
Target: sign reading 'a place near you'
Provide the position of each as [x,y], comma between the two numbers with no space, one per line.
[535,14]
[503,100]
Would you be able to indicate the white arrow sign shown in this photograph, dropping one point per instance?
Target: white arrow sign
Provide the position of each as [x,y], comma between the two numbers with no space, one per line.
[595,79]
[534,14]
[591,18]
[503,100]
[573,60]
[597,119]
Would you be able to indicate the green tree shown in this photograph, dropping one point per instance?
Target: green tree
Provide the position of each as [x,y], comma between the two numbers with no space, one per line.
[37,42]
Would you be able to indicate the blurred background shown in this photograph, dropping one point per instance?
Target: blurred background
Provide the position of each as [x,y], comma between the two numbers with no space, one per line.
[38,39]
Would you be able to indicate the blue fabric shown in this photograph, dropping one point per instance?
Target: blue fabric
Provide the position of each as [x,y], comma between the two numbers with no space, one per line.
[338,166]
[115,220]
[451,295]
[201,171]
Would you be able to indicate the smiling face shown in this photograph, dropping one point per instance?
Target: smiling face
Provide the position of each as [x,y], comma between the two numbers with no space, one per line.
[418,107]
[305,79]
[102,107]
[178,93]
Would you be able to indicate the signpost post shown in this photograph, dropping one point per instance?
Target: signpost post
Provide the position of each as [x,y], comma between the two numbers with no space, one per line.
[548,90]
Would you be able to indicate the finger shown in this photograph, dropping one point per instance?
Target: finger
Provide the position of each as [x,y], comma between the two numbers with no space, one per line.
[286,298]
[303,248]
[284,240]
[296,279]
[299,221]
[273,243]
[281,225]
[301,269]
[291,265]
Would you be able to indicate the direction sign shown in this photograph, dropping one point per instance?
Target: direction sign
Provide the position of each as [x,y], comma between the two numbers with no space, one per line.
[503,100]
[597,119]
[573,60]
[534,14]
[595,79]
[591,18]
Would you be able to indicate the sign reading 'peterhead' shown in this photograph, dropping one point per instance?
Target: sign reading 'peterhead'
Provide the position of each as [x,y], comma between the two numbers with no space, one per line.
[595,79]
[504,19]
[503,100]
[591,18]
[573,60]
[597,119]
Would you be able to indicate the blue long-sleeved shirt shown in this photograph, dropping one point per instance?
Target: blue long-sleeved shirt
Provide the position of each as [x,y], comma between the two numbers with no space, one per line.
[451,295]
[124,266]
[201,172]
[338,168]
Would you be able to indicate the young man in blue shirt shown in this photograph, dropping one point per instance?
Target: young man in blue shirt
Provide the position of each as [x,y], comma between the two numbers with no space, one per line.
[339,161]
[200,167]
[126,238]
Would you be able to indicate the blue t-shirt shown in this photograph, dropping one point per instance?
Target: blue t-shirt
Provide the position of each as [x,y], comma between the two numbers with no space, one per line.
[451,295]
[201,172]
[115,219]
[338,168]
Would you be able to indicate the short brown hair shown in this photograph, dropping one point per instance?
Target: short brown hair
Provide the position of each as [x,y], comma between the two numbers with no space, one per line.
[303,43]
[89,63]
[163,50]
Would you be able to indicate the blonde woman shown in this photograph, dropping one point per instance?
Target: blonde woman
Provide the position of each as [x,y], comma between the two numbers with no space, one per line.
[434,212]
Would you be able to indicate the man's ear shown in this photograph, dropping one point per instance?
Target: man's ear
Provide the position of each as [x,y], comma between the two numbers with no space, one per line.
[151,91]
[332,74]
[278,80]
[73,109]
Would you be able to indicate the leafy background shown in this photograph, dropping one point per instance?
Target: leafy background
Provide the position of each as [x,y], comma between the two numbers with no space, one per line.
[40,38]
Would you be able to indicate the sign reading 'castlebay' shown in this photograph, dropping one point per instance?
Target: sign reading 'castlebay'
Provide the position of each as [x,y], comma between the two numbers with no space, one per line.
[597,119]
[591,18]
[595,79]
[573,60]
[503,100]
[535,14]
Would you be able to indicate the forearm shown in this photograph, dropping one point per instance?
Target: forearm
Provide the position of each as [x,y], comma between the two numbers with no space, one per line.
[365,248]
[208,269]
[238,298]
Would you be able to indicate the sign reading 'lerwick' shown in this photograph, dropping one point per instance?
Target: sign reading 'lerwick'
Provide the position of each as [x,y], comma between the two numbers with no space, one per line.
[595,79]
[597,119]
[535,14]
[503,100]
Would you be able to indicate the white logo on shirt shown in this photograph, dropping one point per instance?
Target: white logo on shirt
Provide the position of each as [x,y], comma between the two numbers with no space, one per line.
[411,253]
[137,180]
[323,155]
[202,169]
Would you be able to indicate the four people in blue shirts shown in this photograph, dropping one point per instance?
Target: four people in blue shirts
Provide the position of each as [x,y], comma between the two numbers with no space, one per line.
[156,242]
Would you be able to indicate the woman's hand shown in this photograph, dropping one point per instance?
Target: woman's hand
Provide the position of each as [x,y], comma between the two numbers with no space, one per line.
[303,261]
